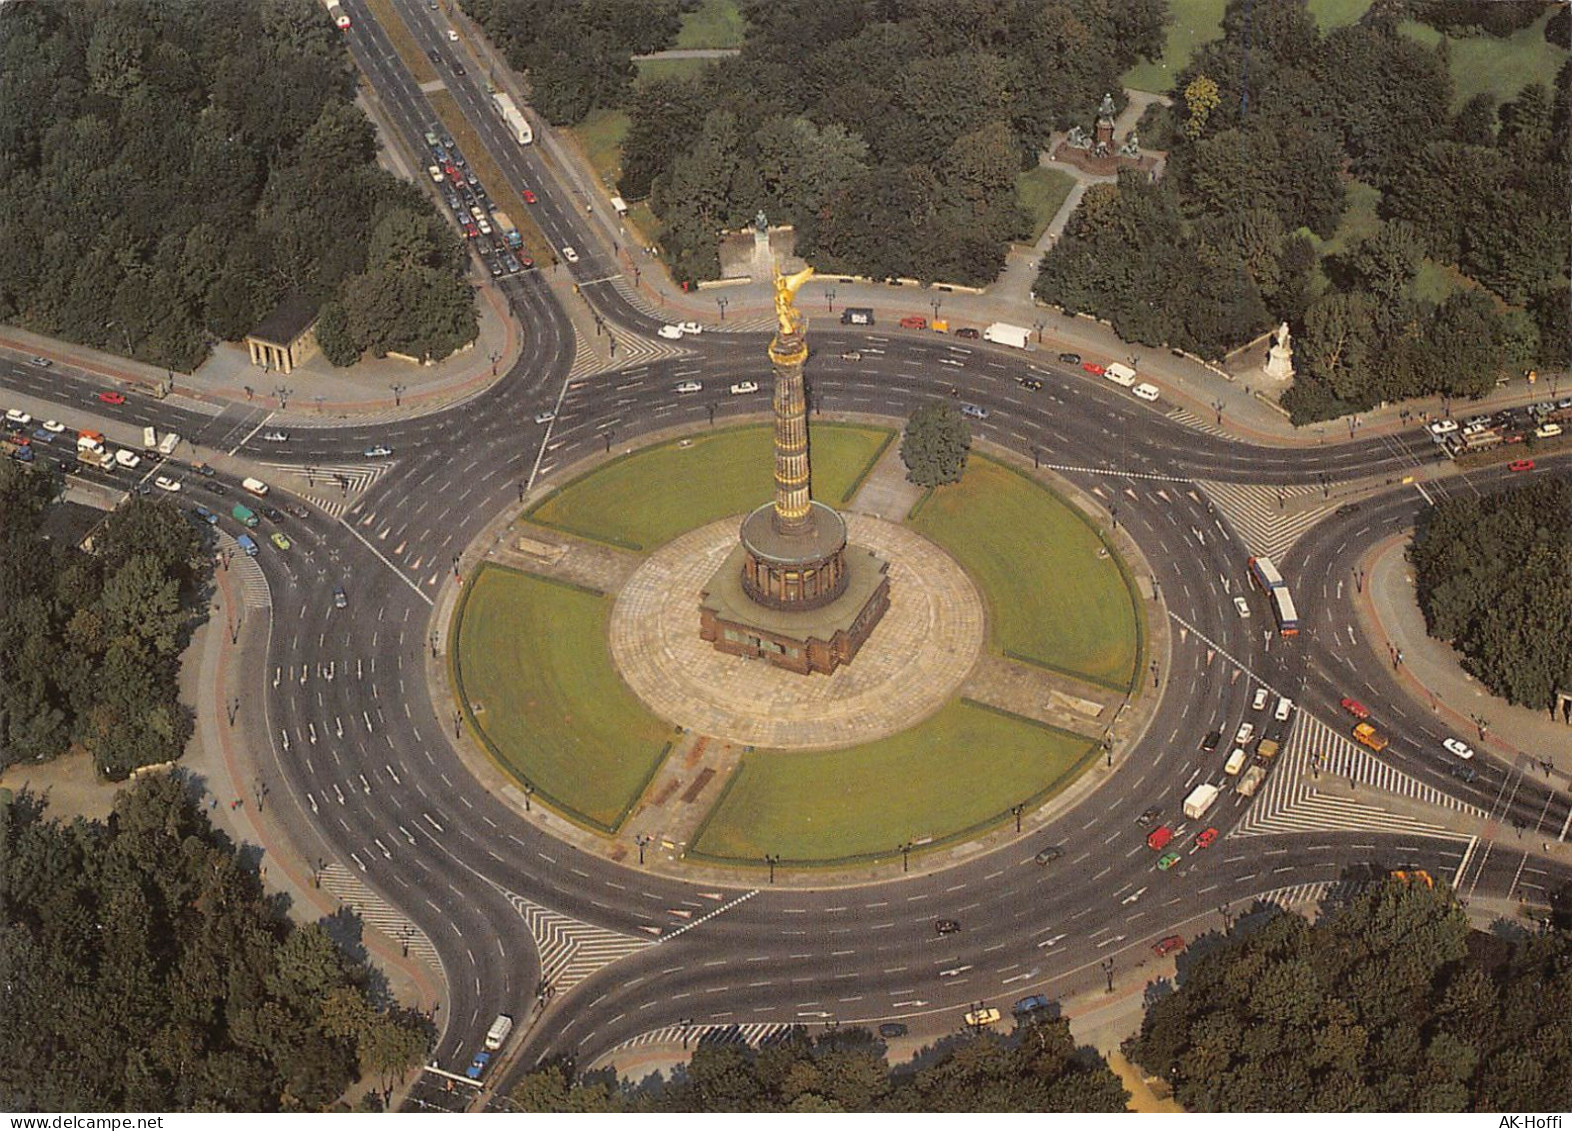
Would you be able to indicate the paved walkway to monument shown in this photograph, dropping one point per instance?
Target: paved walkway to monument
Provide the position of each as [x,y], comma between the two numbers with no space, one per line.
[910,667]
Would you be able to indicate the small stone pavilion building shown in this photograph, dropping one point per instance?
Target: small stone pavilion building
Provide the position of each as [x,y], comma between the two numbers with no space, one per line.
[286,337]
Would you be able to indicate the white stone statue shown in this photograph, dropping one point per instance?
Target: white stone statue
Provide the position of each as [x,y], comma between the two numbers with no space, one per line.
[1280,358]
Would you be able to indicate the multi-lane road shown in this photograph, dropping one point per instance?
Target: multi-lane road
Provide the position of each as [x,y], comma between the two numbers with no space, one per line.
[362,774]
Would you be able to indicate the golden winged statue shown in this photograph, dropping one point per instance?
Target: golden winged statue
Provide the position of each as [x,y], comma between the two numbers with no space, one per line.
[787,315]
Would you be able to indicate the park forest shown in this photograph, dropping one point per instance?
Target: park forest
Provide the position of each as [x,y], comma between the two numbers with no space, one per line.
[888,133]
[146,969]
[168,178]
[90,643]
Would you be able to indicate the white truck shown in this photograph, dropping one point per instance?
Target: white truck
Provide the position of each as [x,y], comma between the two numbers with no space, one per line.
[1004,334]
[498,1033]
[511,117]
[167,446]
[1201,798]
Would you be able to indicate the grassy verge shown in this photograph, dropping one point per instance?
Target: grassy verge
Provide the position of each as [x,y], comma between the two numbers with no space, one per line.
[1041,192]
[496,184]
[953,775]
[1052,600]
[538,685]
[713,24]
[409,52]
[649,497]
[600,136]
[651,69]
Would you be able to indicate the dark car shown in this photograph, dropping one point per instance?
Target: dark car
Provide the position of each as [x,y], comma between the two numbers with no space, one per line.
[1465,773]
[946,926]
[340,598]
[65,466]
[1212,740]
[297,510]
[892,1029]
[1029,1005]
[1049,854]
[458,68]
[203,470]
[1032,383]
[218,488]
[1070,358]
[969,332]
[272,514]
[433,55]
[1149,817]
[1347,509]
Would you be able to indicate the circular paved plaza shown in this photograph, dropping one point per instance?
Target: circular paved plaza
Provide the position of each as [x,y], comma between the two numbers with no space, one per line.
[909,668]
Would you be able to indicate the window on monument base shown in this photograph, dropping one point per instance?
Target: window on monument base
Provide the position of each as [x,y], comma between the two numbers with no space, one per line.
[732,636]
[772,646]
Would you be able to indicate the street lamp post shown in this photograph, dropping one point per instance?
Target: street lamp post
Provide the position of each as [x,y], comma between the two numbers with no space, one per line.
[234,709]
[496,357]
[1154,674]
[721,301]
[234,627]
[398,394]
[906,856]
[1108,969]
[1041,325]
[319,398]
[607,435]
[829,299]
[1037,457]
[1016,811]
[282,393]
[772,859]
[935,303]
[529,791]
[642,840]
[433,644]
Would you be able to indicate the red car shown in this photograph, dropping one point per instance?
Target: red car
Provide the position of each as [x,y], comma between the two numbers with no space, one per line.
[1206,838]
[1167,946]
[912,322]
[1355,708]
[1521,465]
[529,197]
[112,398]
[470,231]
[452,171]
[1159,837]
[1093,368]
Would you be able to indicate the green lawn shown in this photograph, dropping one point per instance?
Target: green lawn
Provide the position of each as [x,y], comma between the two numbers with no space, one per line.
[1041,191]
[650,69]
[532,657]
[645,499]
[715,23]
[600,135]
[1502,66]
[959,771]
[1051,599]
[1477,62]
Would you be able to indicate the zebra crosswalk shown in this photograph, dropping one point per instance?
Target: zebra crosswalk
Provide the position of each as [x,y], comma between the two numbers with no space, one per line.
[1261,514]
[570,950]
[1191,420]
[1298,895]
[1291,799]
[332,487]
[254,589]
[346,887]
[753,1034]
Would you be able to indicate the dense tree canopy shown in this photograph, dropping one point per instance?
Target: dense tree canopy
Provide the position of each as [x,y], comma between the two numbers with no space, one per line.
[888,133]
[142,967]
[1036,1068]
[1387,1003]
[1260,154]
[935,445]
[90,643]
[1494,578]
[167,177]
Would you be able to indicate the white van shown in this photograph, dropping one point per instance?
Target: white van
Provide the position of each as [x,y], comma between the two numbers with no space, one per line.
[167,446]
[149,439]
[619,206]
[1146,391]
[1236,761]
[1120,374]
[498,1033]
[127,459]
[255,486]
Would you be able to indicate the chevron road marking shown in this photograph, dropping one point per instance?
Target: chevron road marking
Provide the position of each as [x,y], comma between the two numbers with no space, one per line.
[1290,802]
[753,1034]
[1262,525]
[1191,420]
[570,950]
[254,590]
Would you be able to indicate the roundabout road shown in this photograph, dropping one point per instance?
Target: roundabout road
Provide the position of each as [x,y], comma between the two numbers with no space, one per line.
[361,764]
